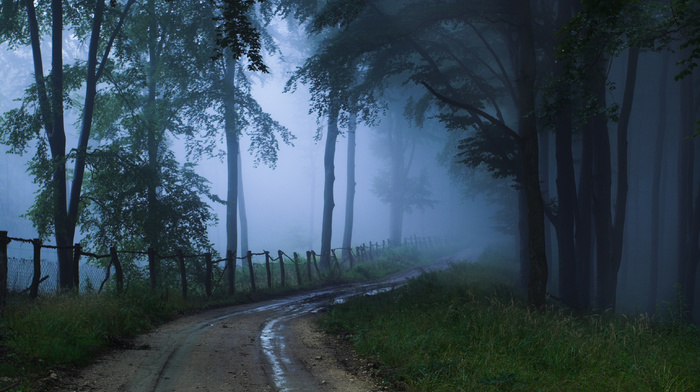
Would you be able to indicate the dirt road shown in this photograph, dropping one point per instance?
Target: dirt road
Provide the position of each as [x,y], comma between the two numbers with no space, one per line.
[267,346]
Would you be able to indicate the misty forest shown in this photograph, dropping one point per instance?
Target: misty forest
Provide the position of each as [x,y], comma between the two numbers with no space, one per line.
[565,131]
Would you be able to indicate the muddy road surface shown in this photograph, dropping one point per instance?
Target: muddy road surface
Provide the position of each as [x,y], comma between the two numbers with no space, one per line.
[267,346]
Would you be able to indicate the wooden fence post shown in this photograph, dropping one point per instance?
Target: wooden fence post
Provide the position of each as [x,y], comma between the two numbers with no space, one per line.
[183,272]
[117,269]
[208,274]
[267,269]
[318,271]
[350,256]
[231,265]
[3,267]
[76,267]
[249,256]
[296,266]
[335,258]
[308,264]
[36,278]
[281,254]
[152,270]
[371,256]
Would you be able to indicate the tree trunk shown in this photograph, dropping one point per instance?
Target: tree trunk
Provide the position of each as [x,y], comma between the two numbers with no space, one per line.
[232,148]
[329,180]
[398,180]
[566,212]
[618,228]
[57,143]
[537,282]
[687,232]
[153,139]
[523,238]
[609,232]
[584,222]
[350,190]
[656,221]
[241,207]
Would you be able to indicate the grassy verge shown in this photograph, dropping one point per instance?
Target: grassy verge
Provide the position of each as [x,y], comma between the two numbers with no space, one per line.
[465,330]
[64,332]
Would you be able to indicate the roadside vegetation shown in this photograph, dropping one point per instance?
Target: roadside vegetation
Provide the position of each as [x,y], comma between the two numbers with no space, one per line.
[468,329]
[60,333]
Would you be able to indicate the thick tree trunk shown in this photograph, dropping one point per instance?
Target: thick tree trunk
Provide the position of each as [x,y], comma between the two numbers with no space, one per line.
[350,189]
[57,143]
[687,221]
[566,212]
[329,170]
[537,282]
[656,221]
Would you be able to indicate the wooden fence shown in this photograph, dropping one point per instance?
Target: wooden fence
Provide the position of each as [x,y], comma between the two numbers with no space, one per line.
[307,267]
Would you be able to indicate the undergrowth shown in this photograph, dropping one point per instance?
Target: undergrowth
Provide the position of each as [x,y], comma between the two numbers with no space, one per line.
[464,329]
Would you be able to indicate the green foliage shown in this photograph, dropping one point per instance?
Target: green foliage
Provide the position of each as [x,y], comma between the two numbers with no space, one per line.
[71,330]
[686,14]
[465,330]
[237,33]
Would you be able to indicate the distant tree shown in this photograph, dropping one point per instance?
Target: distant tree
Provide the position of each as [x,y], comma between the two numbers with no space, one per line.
[395,186]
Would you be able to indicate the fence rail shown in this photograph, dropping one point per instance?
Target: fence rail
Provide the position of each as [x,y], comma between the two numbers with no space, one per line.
[156,265]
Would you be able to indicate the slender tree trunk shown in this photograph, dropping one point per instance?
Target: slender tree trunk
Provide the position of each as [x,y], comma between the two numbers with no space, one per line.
[153,130]
[523,239]
[544,175]
[609,230]
[398,181]
[232,148]
[656,221]
[329,170]
[537,282]
[565,184]
[241,207]
[622,188]
[350,190]
[584,222]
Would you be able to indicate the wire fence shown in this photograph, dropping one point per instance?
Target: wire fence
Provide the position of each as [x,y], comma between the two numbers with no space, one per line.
[199,273]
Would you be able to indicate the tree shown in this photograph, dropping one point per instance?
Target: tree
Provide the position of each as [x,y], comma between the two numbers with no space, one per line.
[45,108]
[395,187]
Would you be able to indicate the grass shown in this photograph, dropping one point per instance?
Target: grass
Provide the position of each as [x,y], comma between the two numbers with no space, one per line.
[466,330]
[69,331]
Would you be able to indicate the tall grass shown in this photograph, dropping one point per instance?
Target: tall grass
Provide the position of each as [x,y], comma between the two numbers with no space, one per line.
[72,329]
[464,330]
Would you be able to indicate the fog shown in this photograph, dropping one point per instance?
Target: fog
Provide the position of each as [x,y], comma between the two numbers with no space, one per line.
[284,203]
[579,158]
